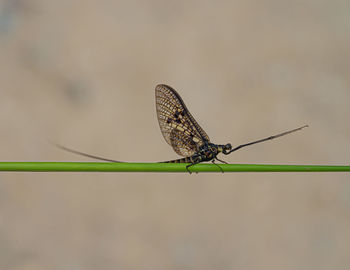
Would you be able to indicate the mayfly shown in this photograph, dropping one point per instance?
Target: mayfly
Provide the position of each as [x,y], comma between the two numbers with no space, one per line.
[184,134]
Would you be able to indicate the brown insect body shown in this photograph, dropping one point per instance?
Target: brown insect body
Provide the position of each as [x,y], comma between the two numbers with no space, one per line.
[181,130]
[184,134]
[207,152]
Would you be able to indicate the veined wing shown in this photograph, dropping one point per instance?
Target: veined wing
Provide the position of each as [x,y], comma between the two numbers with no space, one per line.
[178,126]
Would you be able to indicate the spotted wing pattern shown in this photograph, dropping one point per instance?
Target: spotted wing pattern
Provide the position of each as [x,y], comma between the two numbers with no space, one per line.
[178,126]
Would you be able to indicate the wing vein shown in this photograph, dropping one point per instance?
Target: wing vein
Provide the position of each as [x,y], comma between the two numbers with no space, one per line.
[178,126]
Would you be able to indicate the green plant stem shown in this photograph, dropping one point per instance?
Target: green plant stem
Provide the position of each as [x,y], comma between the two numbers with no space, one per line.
[160,167]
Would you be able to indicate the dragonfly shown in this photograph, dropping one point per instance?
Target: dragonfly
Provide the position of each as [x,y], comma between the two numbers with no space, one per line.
[182,132]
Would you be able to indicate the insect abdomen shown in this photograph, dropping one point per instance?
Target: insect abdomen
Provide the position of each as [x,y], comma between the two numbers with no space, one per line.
[181,160]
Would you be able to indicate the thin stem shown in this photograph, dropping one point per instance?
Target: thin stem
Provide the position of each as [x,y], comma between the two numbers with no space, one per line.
[160,167]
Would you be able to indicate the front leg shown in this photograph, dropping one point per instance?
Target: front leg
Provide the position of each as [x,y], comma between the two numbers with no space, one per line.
[221,160]
[213,161]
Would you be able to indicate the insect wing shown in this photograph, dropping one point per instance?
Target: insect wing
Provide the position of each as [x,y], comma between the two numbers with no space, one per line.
[178,126]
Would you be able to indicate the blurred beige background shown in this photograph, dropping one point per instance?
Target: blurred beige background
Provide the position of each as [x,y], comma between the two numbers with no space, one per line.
[83,73]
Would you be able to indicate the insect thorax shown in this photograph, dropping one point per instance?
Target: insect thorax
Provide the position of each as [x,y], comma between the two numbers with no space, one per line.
[208,151]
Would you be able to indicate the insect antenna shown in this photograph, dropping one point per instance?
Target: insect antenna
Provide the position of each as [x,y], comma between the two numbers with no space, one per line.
[266,139]
[84,154]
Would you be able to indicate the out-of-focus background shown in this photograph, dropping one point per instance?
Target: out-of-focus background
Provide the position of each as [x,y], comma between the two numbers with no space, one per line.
[83,73]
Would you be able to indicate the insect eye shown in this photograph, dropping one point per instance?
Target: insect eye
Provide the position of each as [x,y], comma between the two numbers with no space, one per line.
[228,146]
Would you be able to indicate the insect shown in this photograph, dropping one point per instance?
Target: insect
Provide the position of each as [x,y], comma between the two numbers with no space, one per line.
[185,135]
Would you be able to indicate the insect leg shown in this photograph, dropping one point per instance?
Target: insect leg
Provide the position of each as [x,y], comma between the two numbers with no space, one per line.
[187,167]
[194,163]
[213,161]
[195,160]
[223,161]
